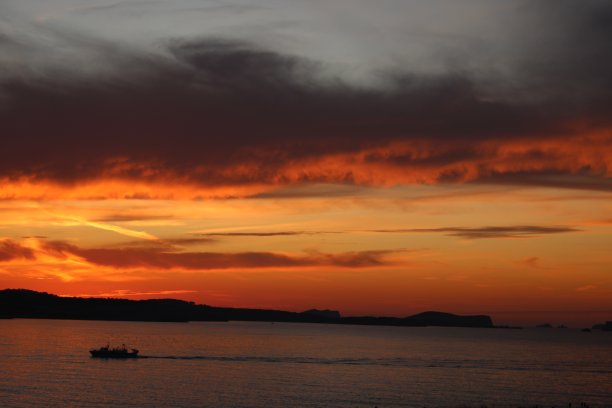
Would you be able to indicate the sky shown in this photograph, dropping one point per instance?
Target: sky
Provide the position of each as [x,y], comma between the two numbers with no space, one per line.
[376,158]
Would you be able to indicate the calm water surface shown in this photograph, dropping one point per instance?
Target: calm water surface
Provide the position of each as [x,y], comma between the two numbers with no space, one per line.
[239,364]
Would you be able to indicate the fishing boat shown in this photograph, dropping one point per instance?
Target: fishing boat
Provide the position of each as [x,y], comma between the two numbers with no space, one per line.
[115,352]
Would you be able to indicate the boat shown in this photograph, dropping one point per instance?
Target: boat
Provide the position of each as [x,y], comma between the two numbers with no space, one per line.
[115,352]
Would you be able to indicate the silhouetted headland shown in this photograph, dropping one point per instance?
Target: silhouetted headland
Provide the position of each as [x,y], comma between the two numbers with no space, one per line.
[22,303]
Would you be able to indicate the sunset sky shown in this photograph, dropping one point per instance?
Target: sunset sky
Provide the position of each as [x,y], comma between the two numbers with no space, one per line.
[373,157]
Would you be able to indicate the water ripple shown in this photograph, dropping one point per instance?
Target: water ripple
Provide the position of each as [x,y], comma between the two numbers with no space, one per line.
[397,362]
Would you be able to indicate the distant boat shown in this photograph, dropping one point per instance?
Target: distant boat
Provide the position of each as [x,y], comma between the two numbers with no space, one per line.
[115,352]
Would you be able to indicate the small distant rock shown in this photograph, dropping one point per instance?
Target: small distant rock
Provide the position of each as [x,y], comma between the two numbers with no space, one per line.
[443,319]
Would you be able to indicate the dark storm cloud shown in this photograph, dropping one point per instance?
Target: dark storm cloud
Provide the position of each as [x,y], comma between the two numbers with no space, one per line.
[229,104]
[569,53]
[519,231]
[220,112]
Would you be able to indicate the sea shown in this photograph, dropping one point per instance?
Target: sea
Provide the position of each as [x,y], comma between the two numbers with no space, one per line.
[46,363]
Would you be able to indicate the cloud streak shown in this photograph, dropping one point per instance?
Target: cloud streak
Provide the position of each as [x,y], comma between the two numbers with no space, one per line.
[108,227]
[518,231]
[532,262]
[119,293]
[265,233]
[11,250]
[157,257]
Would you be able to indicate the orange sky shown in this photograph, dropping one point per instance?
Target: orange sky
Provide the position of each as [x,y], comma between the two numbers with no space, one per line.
[506,251]
[376,159]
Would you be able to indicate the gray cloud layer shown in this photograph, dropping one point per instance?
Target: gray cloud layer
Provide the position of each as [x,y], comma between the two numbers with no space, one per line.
[216,111]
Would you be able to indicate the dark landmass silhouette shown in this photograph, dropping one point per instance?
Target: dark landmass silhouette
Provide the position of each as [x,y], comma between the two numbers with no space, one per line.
[23,303]
[607,326]
[550,326]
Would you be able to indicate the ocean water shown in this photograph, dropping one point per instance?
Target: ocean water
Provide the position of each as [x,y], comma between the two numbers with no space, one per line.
[46,363]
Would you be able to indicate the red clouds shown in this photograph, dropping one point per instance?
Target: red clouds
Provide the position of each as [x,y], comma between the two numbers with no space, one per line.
[164,258]
[11,250]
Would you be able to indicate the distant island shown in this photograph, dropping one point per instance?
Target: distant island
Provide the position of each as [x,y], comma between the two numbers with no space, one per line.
[22,303]
[607,326]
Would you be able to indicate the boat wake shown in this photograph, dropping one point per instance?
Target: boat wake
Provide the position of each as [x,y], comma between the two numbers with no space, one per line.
[399,362]
[263,359]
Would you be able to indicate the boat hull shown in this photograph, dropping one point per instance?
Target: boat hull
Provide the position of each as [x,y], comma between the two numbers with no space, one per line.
[107,354]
